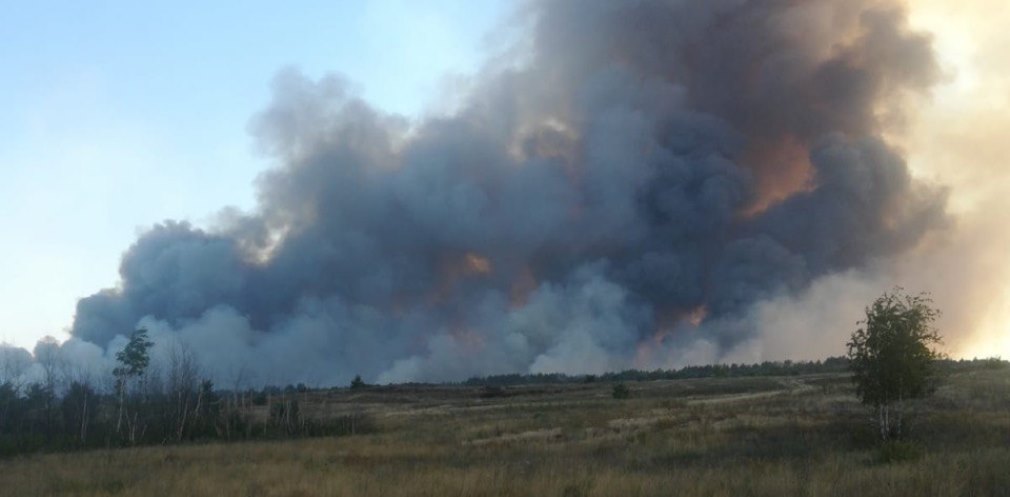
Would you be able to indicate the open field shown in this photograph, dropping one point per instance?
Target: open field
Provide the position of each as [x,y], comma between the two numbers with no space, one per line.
[773,436]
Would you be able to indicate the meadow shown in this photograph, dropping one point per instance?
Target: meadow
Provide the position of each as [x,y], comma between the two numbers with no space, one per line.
[803,435]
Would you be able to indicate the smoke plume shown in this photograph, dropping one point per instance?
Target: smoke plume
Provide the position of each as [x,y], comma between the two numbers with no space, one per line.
[647,183]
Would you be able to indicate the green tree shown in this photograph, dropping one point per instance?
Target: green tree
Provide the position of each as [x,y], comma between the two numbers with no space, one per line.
[357,383]
[133,361]
[891,356]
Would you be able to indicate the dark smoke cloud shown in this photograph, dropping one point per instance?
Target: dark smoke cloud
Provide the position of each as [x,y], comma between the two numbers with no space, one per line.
[645,175]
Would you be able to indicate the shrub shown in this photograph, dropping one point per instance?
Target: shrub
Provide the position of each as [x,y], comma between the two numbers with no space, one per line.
[492,391]
[621,391]
[357,383]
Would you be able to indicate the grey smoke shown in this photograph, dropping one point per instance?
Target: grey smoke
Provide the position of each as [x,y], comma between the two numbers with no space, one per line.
[644,161]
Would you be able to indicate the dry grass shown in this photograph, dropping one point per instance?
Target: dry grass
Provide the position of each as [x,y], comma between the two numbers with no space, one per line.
[801,436]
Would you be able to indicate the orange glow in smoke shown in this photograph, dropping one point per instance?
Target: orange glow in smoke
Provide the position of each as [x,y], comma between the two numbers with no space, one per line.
[781,170]
[647,349]
[697,315]
[476,264]
[453,270]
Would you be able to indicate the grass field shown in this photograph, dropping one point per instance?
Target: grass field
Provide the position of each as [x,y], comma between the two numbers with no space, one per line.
[778,436]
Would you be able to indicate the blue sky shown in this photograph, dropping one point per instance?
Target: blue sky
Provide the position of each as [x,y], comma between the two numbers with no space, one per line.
[117,115]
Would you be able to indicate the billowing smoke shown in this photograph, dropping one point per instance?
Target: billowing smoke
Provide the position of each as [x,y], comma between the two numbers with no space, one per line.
[646,184]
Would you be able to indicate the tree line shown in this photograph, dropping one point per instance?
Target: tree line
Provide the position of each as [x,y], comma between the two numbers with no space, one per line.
[767,368]
[67,410]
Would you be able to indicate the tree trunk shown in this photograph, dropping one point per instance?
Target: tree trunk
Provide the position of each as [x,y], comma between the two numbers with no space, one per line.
[183,410]
[884,421]
[84,419]
[122,407]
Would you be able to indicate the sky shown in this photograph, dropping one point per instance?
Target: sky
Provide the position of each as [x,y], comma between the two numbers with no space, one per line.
[118,115]
[958,138]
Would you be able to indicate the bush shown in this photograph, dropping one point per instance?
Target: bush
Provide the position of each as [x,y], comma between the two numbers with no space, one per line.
[357,383]
[621,391]
[492,392]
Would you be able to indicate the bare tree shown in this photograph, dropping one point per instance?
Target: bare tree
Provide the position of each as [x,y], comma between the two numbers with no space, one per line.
[48,355]
[79,409]
[182,386]
[14,361]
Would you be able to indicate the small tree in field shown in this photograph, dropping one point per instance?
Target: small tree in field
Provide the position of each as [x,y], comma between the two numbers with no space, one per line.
[891,356]
[357,383]
[133,361]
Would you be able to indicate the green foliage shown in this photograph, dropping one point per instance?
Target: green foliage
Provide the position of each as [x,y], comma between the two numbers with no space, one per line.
[767,368]
[357,383]
[891,358]
[993,363]
[134,358]
[621,391]
[133,361]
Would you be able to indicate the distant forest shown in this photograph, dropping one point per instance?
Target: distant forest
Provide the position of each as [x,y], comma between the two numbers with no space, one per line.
[177,406]
[767,368]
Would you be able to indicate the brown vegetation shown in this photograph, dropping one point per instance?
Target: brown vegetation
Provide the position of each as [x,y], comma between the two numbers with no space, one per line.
[805,435]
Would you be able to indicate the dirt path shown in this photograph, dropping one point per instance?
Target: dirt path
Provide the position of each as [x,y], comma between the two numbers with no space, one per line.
[790,386]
